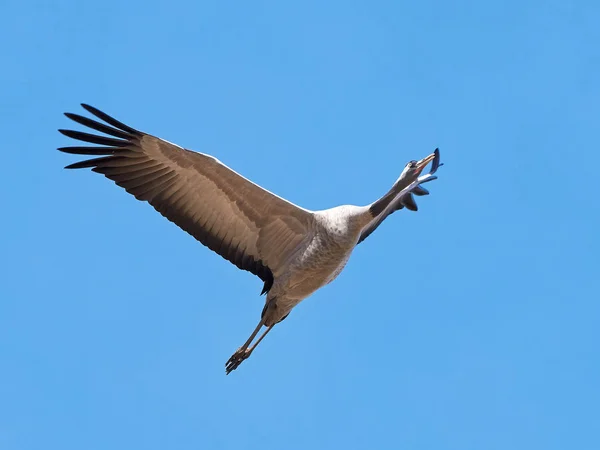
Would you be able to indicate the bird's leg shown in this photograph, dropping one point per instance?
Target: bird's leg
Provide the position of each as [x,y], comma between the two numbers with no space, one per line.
[262,336]
[242,353]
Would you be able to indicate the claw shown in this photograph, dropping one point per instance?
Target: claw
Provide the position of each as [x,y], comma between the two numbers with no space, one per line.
[236,359]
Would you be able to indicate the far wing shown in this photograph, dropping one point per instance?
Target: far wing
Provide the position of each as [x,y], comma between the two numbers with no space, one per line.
[406,200]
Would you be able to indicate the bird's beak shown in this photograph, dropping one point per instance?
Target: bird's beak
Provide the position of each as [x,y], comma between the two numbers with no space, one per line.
[423,163]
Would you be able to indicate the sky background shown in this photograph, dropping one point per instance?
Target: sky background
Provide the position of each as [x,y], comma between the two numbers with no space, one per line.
[472,324]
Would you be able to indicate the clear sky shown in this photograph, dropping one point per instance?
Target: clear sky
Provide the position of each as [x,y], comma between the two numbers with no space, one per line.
[472,324]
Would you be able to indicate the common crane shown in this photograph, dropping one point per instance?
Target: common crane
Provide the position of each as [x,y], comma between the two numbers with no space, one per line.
[294,251]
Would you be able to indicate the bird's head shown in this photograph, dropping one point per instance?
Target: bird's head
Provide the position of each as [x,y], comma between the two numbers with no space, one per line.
[408,183]
[414,168]
[410,180]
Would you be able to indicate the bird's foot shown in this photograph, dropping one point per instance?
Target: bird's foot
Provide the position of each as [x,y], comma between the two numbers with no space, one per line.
[236,359]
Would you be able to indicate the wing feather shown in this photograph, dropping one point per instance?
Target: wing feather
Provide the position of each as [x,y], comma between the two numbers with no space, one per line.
[244,223]
[406,201]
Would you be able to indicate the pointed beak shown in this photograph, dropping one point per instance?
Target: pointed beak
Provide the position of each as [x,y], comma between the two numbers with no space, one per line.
[423,163]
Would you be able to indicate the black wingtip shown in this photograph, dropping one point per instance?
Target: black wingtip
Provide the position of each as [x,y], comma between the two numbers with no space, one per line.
[409,203]
[71,116]
[110,120]
[419,190]
[82,164]
[93,110]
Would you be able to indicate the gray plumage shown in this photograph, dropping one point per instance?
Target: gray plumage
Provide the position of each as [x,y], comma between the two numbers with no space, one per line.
[294,251]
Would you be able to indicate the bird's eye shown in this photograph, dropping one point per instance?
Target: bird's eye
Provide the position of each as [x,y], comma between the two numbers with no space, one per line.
[412,164]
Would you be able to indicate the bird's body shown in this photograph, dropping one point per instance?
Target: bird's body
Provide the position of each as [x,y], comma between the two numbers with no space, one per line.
[293,250]
[330,238]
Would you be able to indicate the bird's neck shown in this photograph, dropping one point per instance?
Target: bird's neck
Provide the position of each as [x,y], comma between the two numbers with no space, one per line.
[380,206]
[347,218]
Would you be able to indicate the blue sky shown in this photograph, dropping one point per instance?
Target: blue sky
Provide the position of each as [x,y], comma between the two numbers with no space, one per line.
[472,324]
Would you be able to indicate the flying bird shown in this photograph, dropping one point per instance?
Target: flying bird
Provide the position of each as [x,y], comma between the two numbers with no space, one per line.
[293,250]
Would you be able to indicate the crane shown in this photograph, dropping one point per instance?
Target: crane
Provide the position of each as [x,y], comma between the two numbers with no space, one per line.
[294,251]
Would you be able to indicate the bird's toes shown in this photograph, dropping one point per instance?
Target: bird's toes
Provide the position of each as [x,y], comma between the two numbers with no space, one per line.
[236,359]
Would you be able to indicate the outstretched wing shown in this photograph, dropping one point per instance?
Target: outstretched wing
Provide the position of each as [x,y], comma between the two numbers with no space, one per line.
[244,223]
